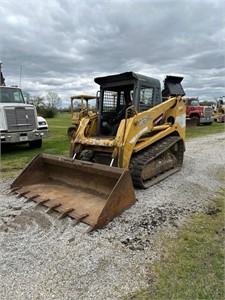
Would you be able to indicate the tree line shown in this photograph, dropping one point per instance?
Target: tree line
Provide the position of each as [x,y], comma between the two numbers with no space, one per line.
[47,105]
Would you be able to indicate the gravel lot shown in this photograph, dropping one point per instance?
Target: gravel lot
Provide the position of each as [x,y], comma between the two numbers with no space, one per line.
[42,257]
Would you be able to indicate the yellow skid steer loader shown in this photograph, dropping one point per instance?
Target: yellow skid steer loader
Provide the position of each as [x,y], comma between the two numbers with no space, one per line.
[134,140]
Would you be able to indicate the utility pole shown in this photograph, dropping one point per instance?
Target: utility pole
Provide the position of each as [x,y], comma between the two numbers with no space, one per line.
[20,75]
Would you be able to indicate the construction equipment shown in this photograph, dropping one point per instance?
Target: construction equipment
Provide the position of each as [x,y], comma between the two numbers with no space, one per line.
[219,110]
[135,139]
[80,111]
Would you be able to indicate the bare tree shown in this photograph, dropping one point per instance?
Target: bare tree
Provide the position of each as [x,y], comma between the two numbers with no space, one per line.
[52,99]
[37,101]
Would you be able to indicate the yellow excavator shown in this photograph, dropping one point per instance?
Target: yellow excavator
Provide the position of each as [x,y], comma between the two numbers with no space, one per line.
[136,138]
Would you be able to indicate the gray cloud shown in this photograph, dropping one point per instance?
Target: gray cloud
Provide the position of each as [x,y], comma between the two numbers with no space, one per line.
[63,45]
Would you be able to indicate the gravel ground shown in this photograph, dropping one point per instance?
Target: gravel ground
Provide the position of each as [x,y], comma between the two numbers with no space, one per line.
[42,257]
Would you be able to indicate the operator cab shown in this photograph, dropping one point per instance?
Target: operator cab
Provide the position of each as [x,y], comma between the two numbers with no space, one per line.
[123,94]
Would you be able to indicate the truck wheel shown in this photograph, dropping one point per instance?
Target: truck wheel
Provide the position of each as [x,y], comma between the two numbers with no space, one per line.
[35,144]
[196,119]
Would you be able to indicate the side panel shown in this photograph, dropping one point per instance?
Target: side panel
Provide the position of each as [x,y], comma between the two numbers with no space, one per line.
[150,126]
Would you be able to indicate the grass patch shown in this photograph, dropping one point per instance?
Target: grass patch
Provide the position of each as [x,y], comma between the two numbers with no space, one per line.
[192,266]
[205,130]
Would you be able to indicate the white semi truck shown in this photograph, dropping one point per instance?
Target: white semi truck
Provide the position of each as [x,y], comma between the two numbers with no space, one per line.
[18,120]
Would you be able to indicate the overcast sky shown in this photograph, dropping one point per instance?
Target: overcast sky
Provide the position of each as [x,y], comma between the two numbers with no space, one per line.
[61,46]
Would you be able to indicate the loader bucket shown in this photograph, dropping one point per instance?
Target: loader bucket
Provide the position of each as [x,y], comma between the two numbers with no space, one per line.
[85,191]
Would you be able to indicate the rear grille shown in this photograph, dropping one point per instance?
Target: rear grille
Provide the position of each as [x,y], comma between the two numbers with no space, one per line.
[20,118]
[208,112]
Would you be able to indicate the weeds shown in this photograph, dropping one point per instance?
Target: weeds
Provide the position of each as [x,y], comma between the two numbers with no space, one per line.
[193,262]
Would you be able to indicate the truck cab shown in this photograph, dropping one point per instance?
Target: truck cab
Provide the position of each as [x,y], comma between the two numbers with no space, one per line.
[202,114]
[18,120]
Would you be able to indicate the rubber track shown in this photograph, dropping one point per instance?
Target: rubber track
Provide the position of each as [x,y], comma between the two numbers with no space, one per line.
[139,160]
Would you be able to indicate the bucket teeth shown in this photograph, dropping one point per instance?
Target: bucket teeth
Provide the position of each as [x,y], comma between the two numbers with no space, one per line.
[65,213]
[90,229]
[32,197]
[13,190]
[52,207]
[42,202]
[20,195]
[78,220]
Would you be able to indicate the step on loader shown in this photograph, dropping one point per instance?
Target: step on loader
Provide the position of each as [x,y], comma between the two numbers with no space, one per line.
[136,139]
